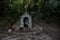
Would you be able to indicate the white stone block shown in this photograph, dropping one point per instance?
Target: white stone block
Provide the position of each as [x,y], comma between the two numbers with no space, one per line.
[9,30]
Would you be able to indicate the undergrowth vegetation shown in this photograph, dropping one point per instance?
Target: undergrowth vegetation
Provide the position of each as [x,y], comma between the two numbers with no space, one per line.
[11,10]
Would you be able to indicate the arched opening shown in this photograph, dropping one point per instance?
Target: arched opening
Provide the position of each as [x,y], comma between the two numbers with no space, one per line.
[26,21]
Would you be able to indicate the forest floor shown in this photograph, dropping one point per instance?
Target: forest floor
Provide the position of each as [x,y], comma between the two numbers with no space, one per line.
[46,32]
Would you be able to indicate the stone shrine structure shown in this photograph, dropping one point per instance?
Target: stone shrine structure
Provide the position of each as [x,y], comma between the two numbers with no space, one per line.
[26,20]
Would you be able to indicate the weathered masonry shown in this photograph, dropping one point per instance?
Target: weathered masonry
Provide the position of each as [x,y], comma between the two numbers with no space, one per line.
[26,21]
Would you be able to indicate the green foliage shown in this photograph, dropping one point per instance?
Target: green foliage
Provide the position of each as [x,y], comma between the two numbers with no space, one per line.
[48,8]
[43,9]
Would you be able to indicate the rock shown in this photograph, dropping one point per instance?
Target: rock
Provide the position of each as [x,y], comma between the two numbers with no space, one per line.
[45,37]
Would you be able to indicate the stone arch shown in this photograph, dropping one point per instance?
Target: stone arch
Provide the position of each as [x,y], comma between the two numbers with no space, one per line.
[29,20]
[26,21]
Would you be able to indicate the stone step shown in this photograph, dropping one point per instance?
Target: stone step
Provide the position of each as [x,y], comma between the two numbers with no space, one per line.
[31,30]
[28,37]
[26,34]
[23,37]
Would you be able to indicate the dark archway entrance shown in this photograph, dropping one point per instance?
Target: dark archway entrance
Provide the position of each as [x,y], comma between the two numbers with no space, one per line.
[26,21]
